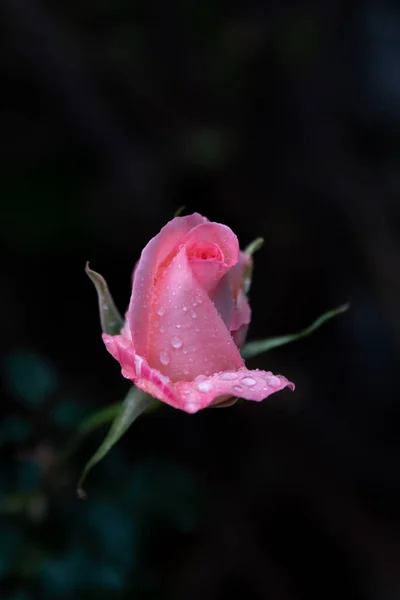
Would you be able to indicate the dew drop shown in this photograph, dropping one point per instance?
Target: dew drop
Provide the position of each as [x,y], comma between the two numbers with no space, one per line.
[105,306]
[193,314]
[164,357]
[249,381]
[178,325]
[184,308]
[185,351]
[176,342]
[199,300]
[228,376]
[185,371]
[273,381]
[237,389]
[173,292]
[160,311]
[204,386]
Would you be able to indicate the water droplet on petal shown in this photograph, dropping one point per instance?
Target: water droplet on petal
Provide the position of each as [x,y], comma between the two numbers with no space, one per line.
[185,351]
[237,389]
[160,311]
[204,386]
[199,300]
[178,325]
[193,314]
[249,381]
[173,292]
[105,306]
[273,381]
[164,357]
[184,308]
[228,376]
[176,342]
[185,371]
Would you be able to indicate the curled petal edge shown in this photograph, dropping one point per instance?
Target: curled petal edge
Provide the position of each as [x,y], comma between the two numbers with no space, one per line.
[216,390]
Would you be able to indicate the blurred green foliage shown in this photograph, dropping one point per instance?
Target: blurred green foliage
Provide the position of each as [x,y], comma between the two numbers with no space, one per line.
[53,545]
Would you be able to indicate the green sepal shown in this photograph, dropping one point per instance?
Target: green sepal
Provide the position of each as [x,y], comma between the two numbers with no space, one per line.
[259,346]
[179,211]
[135,403]
[254,246]
[111,320]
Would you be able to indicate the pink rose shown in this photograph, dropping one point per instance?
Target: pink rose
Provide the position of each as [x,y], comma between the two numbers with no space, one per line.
[187,318]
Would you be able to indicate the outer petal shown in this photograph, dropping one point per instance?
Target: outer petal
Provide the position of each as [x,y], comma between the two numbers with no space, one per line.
[241,315]
[187,336]
[239,272]
[200,393]
[156,251]
[214,276]
[217,389]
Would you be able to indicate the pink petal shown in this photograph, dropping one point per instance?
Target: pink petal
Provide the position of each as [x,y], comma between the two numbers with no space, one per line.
[135,368]
[219,388]
[239,336]
[220,235]
[241,314]
[187,336]
[215,390]
[156,251]
[212,275]
[237,274]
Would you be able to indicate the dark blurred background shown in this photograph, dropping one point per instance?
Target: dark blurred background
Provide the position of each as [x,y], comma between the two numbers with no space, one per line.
[282,120]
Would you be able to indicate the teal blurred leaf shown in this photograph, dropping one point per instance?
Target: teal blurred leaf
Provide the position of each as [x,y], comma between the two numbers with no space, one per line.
[111,320]
[69,412]
[167,494]
[135,403]
[259,346]
[30,377]
[14,429]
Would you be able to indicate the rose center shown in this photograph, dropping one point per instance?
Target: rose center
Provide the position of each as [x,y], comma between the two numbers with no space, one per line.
[205,251]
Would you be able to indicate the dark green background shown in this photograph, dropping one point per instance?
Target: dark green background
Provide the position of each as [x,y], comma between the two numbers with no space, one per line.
[280,119]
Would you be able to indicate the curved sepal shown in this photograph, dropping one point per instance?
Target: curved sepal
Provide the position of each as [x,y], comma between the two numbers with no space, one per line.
[111,320]
[254,246]
[135,403]
[259,346]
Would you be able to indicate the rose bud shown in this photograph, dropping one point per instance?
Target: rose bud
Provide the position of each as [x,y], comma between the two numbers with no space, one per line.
[187,318]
